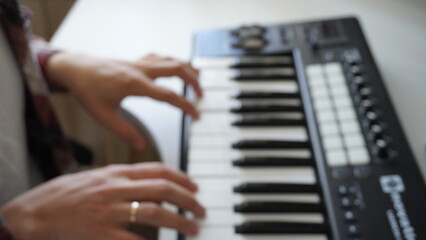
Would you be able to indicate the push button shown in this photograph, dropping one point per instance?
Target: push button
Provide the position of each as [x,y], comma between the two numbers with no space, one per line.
[346,202]
[350,216]
[342,190]
[380,149]
[353,230]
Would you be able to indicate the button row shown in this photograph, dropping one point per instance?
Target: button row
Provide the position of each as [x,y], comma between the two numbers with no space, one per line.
[337,120]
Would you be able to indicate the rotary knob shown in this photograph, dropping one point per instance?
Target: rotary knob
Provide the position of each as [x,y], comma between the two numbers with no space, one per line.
[381,150]
[370,119]
[249,31]
[375,133]
[357,83]
[365,106]
[355,70]
[251,43]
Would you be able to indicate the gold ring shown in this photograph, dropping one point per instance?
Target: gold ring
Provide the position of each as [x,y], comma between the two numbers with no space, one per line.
[134,206]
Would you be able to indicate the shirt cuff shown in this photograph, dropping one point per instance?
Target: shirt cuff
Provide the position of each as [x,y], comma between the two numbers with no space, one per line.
[43,52]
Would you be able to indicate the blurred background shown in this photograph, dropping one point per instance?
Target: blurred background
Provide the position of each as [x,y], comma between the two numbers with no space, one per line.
[47,15]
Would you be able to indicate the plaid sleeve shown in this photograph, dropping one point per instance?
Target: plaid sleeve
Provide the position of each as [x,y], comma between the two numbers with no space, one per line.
[5,233]
[44,51]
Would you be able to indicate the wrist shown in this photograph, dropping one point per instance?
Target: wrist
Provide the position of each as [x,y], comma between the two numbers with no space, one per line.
[56,70]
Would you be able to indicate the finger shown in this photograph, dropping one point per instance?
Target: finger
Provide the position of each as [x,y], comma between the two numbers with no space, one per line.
[186,73]
[191,77]
[156,170]
[112,120]
[172,67]
[168,96]
[150,213]
[159,190]
[125,235]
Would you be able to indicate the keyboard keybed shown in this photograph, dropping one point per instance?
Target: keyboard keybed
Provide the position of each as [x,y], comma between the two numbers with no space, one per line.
[250,153]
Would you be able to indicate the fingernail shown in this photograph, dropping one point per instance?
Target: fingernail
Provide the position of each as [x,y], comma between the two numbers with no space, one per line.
[197,116]
[195,187]
[139,144]
[193,229]
[200,212]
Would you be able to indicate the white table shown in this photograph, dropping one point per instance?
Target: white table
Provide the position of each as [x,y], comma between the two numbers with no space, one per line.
[127,29]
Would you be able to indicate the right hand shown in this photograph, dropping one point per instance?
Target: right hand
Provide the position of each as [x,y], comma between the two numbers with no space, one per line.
[100,85]
[95,204]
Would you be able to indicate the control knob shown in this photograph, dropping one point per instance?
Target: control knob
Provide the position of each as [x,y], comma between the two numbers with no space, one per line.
[370,119]
[381,150]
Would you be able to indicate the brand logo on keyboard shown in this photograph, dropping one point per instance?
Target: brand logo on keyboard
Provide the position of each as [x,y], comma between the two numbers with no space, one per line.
[397,215]
[392,183]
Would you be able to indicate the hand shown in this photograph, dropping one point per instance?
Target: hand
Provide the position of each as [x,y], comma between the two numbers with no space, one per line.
[101,84]
[95,205]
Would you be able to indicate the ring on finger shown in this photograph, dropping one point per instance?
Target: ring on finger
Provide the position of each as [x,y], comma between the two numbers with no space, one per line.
[134,207]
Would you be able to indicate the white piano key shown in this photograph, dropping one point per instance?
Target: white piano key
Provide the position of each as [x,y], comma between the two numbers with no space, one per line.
[227,199]
[213,62]
[228,233]
[228,155]
[215,121]
[226,62]
[226,217]
[221,79]
[209,129]
[217,100]
[221,140]
[226,184]
[208,186]
[222,199]
[221,169]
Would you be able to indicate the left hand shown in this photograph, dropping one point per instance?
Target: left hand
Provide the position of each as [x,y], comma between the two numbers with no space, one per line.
[101,84]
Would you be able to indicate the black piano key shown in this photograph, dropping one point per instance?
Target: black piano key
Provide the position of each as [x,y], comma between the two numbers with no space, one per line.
[270,144]
[271,122]
[277,207]
[246,108]
[264,74]
[263,61]
[257,227]
[272,161]
[276,188]
[266,95]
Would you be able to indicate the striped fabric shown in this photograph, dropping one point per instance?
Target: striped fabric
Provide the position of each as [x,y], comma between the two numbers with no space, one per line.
[47,145]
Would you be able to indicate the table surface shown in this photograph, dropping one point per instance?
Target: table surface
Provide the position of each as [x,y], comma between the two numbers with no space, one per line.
[128,29]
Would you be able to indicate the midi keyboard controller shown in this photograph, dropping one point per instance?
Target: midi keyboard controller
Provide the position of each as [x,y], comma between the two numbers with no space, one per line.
[298,138]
